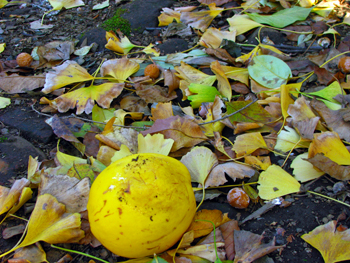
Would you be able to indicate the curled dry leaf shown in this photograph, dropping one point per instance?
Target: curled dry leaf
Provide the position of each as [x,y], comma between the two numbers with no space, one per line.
[70,191]
[249,246]
[234,170]
[154,93]
[9,198]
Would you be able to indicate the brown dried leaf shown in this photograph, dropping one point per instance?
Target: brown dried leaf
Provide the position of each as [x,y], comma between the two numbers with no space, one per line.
[217,2]
[332,168]
[21,84]
[171,80]
[227,231]
[154,93]
[249,246]
[184,132]
[162,111]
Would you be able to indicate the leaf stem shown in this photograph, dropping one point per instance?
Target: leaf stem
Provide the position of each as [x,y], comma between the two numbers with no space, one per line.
[327,197]
[80,253]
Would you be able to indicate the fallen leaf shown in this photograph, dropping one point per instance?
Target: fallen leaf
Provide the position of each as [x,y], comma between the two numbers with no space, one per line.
[162,111]
[330,167]
[121,45]
[289,139]
[49,222]
[9,197]
[154,144]
[213,37]
[330,145]
[154,93]
[4,102]
[206,251]
[32,253]
[192,75]
[21,84]
[224,86]
[276,182]
[167,16]
[203,228]
[201,19]
[258,162]
[201,93]
[119,69]
[199,161]
[242,24]
[303,170]
[184,132]
[247,143]
[332,244]
[249,246]
[68,73]
[70,191]
[227,230]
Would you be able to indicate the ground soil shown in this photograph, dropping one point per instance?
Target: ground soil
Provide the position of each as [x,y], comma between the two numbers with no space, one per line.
[305,211]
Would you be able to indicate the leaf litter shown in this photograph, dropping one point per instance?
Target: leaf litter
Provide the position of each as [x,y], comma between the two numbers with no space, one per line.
[277,118]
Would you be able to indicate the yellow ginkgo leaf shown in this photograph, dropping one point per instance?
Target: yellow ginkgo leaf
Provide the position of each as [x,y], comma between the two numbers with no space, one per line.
[247,143]
[248,57]
[49,222]
[150,50]
[331,146]
[167,16]
[239,74]
[9,197]
[242,24]
[68,73]
[202,19]
[122,45]
[286,100]
[123,152]
[154,144]
[332,244]
[84,98]
[120,116]
[224,85]
[258,162]
[199,161]
[193,75]
[276,182]
[2,45]
[289,139]
[67,160]
[59,4]
[303,170]
[120,69]
[213,37]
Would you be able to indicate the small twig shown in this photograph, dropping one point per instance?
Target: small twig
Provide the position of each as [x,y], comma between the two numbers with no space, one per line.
[231,114]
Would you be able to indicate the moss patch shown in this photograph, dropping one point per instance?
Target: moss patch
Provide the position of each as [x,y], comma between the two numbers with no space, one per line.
[117,22]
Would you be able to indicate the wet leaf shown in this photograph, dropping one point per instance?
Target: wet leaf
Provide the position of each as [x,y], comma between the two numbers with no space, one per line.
[269,71]
[276,182]
[332,244]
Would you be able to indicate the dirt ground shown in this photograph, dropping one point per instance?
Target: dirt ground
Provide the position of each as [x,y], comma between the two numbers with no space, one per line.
[285,224]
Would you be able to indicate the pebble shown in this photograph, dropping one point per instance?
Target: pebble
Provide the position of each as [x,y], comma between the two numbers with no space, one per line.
[325,220]
[299,230]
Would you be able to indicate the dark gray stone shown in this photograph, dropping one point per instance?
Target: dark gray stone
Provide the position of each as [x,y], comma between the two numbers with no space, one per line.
[142,14]
[31,124]
[14,155]
[173,45]
[96,35]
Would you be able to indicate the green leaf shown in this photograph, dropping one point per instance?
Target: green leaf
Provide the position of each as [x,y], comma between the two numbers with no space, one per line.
[83,130]
[282,18]
[269,71]
[254,113]
[205,93]
[329,92]
[101,115]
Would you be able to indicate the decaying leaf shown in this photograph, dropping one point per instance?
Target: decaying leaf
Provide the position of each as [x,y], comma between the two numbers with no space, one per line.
[202,228]
[227,230]
[184,132]
[234,170]
[21,84]
[32,253]
[249,246]
[332,244]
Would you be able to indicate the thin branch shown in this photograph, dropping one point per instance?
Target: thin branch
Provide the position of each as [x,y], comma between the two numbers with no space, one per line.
[231,114]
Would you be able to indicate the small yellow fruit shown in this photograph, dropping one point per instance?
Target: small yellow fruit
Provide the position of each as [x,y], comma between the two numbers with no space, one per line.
[24,59]
[141,204]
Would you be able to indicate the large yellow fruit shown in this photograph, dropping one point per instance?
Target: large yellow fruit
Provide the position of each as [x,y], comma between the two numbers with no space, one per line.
[141,204]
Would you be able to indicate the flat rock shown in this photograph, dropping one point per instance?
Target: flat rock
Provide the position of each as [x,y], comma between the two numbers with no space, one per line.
[142,14]
[31,125]
[14,155]
[173,45]
[96,35]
